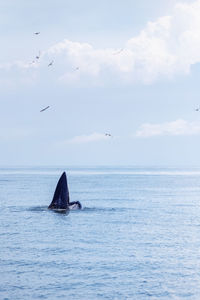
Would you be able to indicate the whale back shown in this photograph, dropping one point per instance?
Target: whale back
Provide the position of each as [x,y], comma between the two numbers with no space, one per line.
[61,194]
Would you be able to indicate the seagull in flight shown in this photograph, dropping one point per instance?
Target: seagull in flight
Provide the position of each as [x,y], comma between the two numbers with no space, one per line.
[36,33]
[38,56]
[77,68]
[197,109]
[118,51]
[50,64]
[44,109]
[108,134]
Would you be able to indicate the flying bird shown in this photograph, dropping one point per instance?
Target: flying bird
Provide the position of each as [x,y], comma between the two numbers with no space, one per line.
[108,134]
[44,109]
[118,51]
[197,109]
[77,68]
[36,33]
[50,64]
[38,56]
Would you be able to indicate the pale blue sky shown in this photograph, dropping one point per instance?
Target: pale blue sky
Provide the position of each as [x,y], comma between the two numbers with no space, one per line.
[144,95]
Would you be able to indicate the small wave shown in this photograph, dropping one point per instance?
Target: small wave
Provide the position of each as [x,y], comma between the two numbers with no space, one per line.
[38,208]
[97,209]
[84,209]
[45,209]
[106,209]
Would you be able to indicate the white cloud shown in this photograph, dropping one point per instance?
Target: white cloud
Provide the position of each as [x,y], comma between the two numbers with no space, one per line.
[18,73]
[166,47]
[18,65]
[163,49]
[81,139]
[10,134]
[175,128]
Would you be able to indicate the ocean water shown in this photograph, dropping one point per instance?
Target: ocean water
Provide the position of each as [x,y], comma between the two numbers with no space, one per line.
[137,236]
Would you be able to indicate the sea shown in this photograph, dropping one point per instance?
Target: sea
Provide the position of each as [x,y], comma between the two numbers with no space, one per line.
[136,237]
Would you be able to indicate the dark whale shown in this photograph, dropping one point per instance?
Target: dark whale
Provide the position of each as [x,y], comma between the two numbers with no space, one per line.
[61,200]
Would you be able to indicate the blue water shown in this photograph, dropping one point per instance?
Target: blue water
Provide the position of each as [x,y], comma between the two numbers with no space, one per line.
[137,237]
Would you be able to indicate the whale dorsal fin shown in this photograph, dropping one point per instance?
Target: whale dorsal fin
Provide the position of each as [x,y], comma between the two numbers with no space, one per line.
[61,194]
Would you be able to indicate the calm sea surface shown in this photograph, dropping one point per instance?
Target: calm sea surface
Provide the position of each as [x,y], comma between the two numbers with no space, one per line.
[137,237]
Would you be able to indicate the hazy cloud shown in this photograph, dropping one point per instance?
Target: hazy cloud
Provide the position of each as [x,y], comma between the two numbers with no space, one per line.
[175,128]
[166,47]
[163,49]
[81,139]
[10,134]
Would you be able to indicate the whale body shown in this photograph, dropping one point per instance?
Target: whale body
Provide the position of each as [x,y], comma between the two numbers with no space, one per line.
[61,200]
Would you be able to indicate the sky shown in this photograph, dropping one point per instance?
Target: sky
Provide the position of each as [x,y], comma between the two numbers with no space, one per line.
[129,68]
